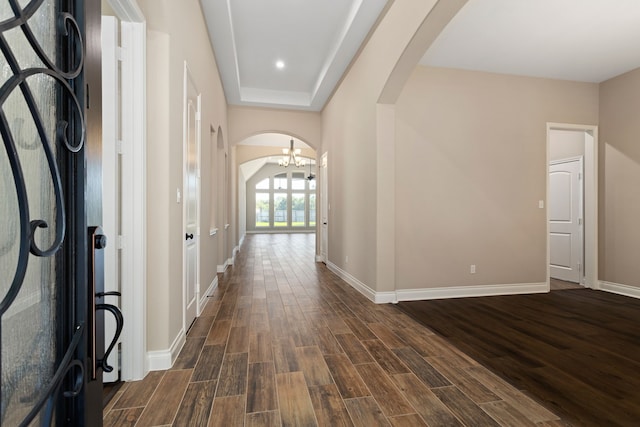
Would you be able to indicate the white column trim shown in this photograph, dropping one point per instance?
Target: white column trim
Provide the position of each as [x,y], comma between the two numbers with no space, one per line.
[134,215]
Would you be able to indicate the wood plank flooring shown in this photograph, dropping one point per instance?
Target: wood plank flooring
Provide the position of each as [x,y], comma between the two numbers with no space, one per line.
[576,351]
[285,342]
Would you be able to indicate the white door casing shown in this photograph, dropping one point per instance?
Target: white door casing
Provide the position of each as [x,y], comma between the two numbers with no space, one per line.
[132,242]
[324,206]
[191,192]
[111,181]
[565,220]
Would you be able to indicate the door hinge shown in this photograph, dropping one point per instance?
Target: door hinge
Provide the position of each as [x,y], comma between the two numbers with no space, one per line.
[579,175]
[120,243]
[579,221]
[120,146]
[120,51]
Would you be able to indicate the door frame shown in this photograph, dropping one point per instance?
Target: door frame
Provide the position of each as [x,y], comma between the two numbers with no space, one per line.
[134,363]
[189,80]
[590,202]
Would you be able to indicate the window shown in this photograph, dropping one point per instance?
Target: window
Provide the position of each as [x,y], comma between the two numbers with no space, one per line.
[284,200]
[280,181]
[280,210]
[297,181]
[312,209]
[263,217]
[298,210]
[263,185]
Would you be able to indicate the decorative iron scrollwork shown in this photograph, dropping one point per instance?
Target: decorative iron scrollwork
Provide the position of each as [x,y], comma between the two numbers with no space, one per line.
[68,135]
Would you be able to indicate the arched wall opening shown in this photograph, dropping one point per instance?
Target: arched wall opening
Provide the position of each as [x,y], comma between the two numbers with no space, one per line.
[273,198]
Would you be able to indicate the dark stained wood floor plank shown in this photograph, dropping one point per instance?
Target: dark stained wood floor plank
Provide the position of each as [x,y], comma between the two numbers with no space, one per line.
[296,408]
[260,347]
[576,350]
[233,375]
[122,417]
[200,327]
[190,353]
[346,376]
[239,339]
[329,406]
[284,356]
[365,412]
[391,401]
[463,407]
[219,332]
[227,411]
[208,366]
[196,405]
[261,389]
[385,357]
[138,393]
[164,403]
[313,366]
[412,420]
[430,408]
[354,349]
[263,419]
[419,366]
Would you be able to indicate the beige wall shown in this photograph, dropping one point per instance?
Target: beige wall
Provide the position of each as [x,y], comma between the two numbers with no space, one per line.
[619,207]
[349,132]
[470,170]
[176,33]
[248,121]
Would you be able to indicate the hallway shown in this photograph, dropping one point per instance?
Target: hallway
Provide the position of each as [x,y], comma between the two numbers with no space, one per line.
[284,341]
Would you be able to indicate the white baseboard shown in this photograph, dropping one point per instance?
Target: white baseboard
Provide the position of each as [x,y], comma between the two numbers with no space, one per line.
[355,283]
[471,291]
[162,360]
[222,268]
[376,297]
[617,288]
[439,293]
[203,300]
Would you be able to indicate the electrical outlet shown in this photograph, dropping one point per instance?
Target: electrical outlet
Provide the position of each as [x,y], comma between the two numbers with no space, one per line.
[472,270]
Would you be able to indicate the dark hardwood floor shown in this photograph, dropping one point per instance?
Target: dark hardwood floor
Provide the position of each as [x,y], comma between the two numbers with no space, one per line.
[575,351]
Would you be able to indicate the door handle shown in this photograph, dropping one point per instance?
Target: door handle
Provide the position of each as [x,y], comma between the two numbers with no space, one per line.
[188,236]
[324,223]
[97,242]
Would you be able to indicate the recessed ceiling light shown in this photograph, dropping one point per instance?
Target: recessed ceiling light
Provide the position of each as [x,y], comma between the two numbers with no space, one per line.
[279,64]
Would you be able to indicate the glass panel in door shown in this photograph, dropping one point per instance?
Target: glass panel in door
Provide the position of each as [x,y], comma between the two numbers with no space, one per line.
[42,128]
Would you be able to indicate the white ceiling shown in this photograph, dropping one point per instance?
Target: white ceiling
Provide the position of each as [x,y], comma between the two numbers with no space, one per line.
[316,40]
[581,40]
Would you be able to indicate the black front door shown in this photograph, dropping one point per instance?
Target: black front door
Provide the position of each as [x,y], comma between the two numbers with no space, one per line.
[50,200]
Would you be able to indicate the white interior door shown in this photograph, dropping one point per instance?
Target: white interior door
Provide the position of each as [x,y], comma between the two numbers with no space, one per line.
[111,181]
[191,198]
[324,204]
[565,220]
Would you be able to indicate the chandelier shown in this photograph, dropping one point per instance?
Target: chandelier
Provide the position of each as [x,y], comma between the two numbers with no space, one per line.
[291,156]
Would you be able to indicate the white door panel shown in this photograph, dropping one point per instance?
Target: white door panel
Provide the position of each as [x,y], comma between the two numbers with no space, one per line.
[191,198]
[565,214]
[324,206]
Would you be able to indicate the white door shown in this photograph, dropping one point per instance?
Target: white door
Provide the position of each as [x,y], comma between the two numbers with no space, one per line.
[191,198]
[324,204]
[111,182]
[565,220]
